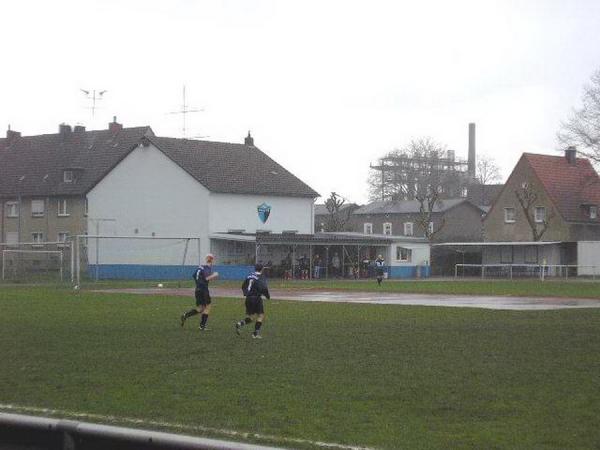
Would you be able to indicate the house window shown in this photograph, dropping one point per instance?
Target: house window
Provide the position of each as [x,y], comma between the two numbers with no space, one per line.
[12,209]
[540,214]
[593,212]
[403,254]
[509,215]
[430,228]
[37,208]
[63,237]
[37,237]
[387,228]
[464,192]
[368,228]
[85,207]
[12,238]
[62,207]
[408,228]
[68,176]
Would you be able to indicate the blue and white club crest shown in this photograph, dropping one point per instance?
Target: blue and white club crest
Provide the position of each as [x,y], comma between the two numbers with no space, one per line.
[264,211]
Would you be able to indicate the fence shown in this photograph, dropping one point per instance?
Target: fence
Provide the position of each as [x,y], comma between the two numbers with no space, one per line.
[511,271]
[27,432]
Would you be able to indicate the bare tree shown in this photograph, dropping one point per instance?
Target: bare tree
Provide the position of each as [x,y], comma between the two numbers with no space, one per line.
[528,199]
[406,173]
[427,203]
[582,129]
[338,218]
[488,171]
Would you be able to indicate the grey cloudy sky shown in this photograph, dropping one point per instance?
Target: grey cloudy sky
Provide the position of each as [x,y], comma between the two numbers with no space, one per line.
[325,86]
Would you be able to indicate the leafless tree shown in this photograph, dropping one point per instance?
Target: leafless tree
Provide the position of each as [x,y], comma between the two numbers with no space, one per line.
[406,173]
[528,199]
[582,129]
[488,171]
[428,201]
[338,218]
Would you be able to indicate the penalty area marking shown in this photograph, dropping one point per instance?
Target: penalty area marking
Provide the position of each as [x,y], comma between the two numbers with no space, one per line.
[176,426]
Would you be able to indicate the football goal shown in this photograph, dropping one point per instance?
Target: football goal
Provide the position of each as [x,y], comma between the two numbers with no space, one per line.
[32,265]
[101,257]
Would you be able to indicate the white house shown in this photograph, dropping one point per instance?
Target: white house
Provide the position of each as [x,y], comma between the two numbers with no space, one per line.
[167,188]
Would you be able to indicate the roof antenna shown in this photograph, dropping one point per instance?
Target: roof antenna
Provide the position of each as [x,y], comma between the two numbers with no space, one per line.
[93,96]
[184,111]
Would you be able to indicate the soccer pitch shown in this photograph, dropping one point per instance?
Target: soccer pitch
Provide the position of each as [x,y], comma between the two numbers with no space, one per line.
[377,376]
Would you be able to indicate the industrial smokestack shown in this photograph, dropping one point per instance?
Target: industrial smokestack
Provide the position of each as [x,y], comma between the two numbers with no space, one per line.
[472,155]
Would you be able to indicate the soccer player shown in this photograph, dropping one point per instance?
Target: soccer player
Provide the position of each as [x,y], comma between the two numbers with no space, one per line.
[379,264]
[254,288]
[202,276]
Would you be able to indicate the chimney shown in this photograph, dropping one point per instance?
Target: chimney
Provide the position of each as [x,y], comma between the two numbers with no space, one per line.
[249,140]
[115,126]
[78,129]
[571,155]
[64,129]
[12,136]
[472,155]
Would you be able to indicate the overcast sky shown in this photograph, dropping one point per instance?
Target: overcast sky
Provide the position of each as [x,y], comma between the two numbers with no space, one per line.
[325,86]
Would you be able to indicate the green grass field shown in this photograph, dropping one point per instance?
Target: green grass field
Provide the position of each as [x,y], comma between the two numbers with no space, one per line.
[368,375]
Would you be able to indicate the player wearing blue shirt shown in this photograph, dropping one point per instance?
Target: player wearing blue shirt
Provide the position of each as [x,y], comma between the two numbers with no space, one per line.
[254,288]
[202,276]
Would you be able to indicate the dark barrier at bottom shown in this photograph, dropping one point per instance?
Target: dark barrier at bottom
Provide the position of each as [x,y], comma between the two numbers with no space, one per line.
[20,432]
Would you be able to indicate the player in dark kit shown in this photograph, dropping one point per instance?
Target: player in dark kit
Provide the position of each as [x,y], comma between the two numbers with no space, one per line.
[202,276]
[254,288]
[379,264]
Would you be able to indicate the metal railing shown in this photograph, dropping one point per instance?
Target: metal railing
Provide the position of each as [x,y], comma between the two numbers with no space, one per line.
[512,271]
[26,432]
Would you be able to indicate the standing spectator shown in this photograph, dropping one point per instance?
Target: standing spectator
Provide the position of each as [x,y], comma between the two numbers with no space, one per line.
[379,265]
[317,266]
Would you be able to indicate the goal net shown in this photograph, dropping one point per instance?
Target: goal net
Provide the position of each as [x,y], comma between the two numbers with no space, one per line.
[33,266]
[134,258]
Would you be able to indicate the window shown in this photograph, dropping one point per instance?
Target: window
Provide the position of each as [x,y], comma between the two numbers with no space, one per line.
[408,228]
[68,176]
[368,228]
[509,215]
[540,214]
[37,208]
[387,228]
[62,207]
[12,237]
[63,237]
[403,254]
[12,209]
[37,237]
[85,207]
[430,227]
[593,212]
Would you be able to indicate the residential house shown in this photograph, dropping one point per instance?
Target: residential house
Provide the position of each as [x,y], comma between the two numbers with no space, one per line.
[44,179]
[563,194]
[452,219]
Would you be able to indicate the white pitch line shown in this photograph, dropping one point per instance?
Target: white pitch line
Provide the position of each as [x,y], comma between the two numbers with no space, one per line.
[154,423]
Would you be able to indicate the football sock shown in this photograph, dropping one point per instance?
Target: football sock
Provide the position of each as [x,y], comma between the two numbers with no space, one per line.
[204,320]
[190,313]
[257,326]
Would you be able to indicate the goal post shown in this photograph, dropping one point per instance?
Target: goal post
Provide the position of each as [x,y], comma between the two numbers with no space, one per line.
[104,257]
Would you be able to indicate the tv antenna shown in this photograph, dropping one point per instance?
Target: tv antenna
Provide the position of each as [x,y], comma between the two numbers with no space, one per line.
[94,96]
[184,111]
